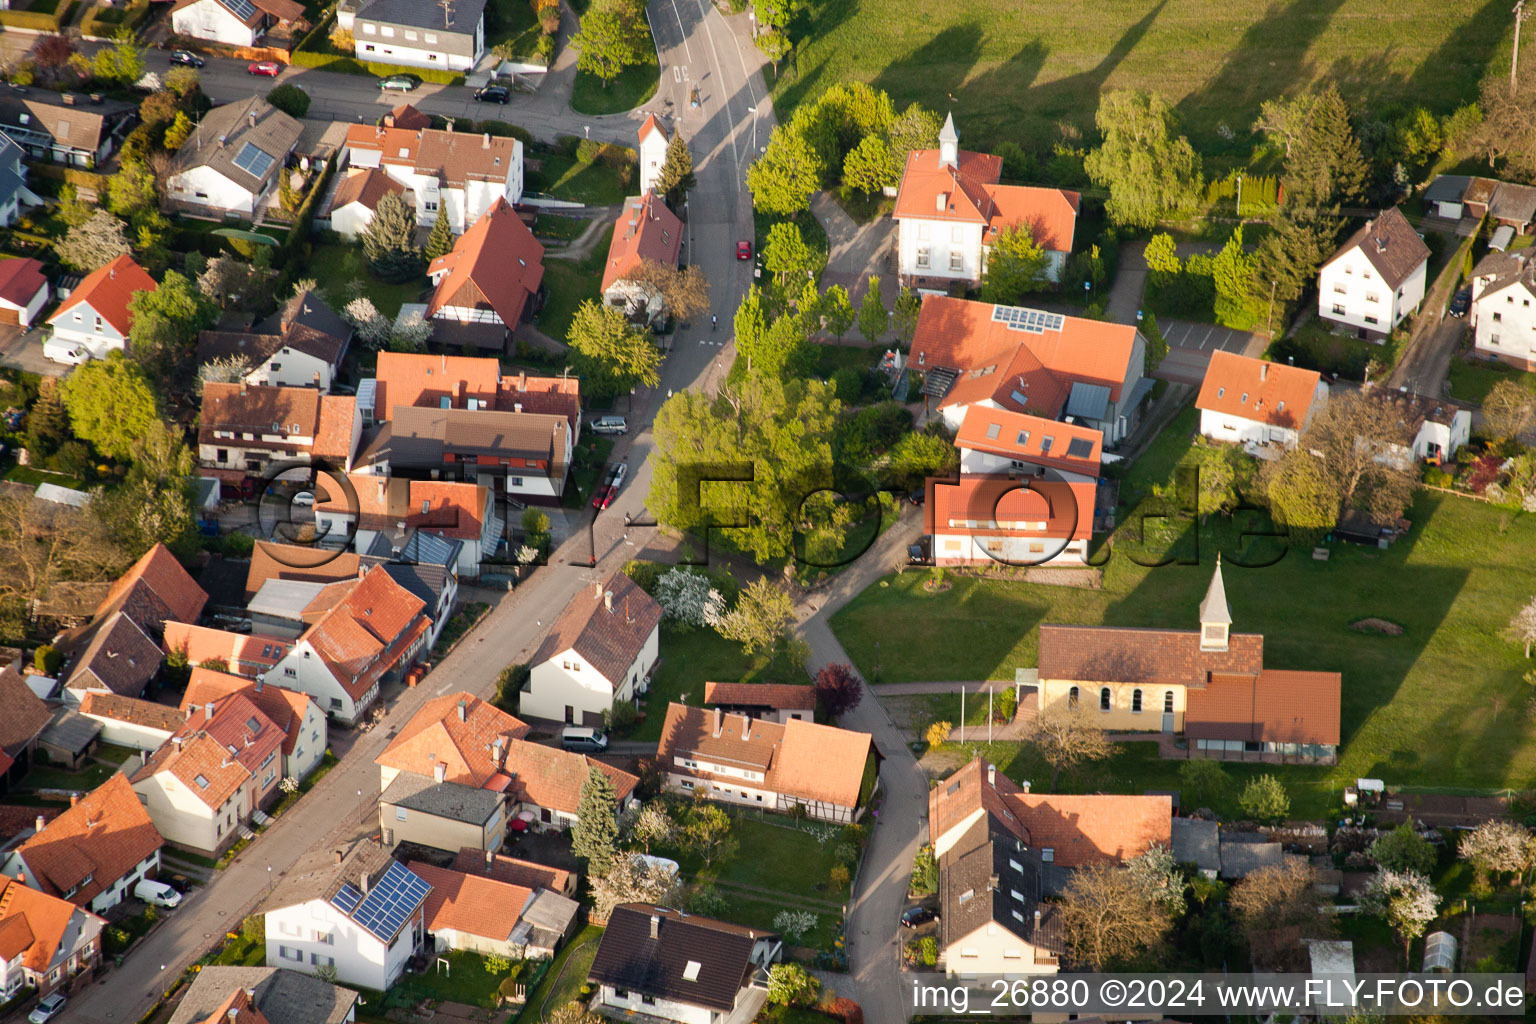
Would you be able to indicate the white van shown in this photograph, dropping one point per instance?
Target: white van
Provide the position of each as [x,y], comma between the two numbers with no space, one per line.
[71,353]
[583,739]
[610,425]
[157,893]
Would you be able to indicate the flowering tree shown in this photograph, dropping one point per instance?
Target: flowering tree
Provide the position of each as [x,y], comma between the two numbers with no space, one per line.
[1496,847]
[652,825]
[1405,900]
[687,597]
[373,330]
[793,924]
[411,334]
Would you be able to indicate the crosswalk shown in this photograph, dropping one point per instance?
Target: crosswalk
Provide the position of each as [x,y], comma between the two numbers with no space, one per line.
[717,344]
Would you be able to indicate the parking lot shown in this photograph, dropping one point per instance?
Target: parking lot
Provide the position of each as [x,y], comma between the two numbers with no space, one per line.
[25,353]
[1190,346]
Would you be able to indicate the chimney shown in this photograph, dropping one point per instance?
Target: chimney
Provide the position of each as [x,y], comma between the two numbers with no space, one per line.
[746,726]
[21,876]
[439,772]
[458,391]
[362,882]
[389,120]
[208,710]
[1037,920]
[522,380]
[74,798]
[994,883]
[338,855]
[1264,371]
[260,677]
[253,119]
[250,994]
[719,721]
[463,710]
[40,823]
[490,859]
[608,600]
[597,590]
[1024,786]
[517,406]
[992,776]
[176,742]
[485,141]
[655,926]
[941,201]
[234,1014]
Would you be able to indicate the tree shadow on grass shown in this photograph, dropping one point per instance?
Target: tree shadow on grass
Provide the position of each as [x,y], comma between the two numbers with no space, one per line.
[942,64]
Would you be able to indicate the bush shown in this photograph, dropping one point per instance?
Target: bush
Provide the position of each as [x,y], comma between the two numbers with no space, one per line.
[500,129]
[290,99]
[707,900]
[1264,798]
[645,575]
[937,733]
[928,951]
[509,684]
[48,660]
[621,716]
[495,963]
[838,877]
[848,385]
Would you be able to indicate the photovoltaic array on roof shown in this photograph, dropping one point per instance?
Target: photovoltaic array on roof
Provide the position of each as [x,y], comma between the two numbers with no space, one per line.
[347,898]
[1035,321]
[253,161]
[242,9]
[1079,448]
[390,902]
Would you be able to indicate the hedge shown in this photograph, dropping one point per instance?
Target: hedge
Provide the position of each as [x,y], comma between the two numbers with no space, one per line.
[71,175]
[353,66]
[40,22]
[103,22]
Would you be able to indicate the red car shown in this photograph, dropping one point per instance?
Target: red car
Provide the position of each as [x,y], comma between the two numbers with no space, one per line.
[743,250]
[604,495]
[270,68]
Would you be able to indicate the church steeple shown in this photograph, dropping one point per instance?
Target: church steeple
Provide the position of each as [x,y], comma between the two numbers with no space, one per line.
[1215,618]
[949,143]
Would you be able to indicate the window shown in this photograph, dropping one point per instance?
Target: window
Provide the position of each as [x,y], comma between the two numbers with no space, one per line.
[922,231]
[289,953]
[387,31]
[1371,320]
[1372,297]
[430,37]
[290,672]
[957,233]
[368,47]
[410,34]
[1072,697]
[316,960]
[370,29]
[1136,701]
[1497,317]
[1341,288]
[1016,895]
[1048,854]
[1168,701]
[1493,339]
[1103,698]
[956,260]
[922,257]
[1015,865]
[1338,308]
[222,455]
[326,938]
[966,896]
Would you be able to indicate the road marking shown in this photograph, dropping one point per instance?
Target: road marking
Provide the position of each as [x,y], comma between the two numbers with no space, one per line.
[1206,338]
[730,135]
[677,73]
[682,31]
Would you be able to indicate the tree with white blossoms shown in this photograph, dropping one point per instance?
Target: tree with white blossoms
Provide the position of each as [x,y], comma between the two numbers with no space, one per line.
[373,330]
[633,880]
[410,334]
[223,370]
[289,784]
[1523,626]
[1405,900]
[652,825]
[1158,874]
[687,597]
[794,924]
[1496,847]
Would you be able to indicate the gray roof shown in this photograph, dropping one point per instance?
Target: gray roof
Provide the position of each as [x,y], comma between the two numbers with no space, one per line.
[1240,859]
[1197,842]
[551,911]
[1447,188]
[424,581]
[422,436]
[1390,244]
[285,598]
[455,29]
[220,140]
[1214,607]
[1513,202]
[969,900]
[1088,401]
[70,731]
[283,997]
[47,120]
[316,875]
[469,804]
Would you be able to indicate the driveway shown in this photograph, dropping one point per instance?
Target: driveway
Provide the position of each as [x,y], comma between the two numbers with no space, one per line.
[1190,346]
[855,251]
[26,353]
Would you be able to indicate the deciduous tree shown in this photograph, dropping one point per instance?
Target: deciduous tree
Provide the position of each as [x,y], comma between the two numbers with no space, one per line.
[1265,798]
[1109,917]
[111,403]
[873,319]
[653,826]
[707,832]
[1150,172]
[611,355]
[837,311]
[1406,900]
[632,880]
[838,690]
[909,306]
[784,178]
[1403,849]
[95,243]
[914,128]
[1276,898]
[1068,736]
[791,985]
[1508,410]
[611,38]
[371,326]
[786,254]
[166,323]
[290,99]
[761,619]
[1497,847]
[868,166]
[1523,626]
[1016,264]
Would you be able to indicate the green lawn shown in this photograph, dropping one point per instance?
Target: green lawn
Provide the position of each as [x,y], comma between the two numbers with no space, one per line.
[570,283]
[635,85]
[32,477]
[464,980]
[555,228]
[342,272]
[1317,348]
[1017,68]
[114,753]
[696,656]
[564,177]
[566,975]
[1471,381]
[514,23]
[1441,705]
[591,456]
[86,779]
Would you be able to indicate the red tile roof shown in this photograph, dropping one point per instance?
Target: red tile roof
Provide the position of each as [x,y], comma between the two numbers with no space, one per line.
[146,713]
[365,634]
[471,904]
[158,569]
[1276,706]
[438,735]
[513,870]
[45,924]
[779,696]
[998,362]
[450,509]
[273,561]
[246,654]
[1257,389]
[454,158]
[650,124]
[21,280]
[496,265]
[269,409]
[418,378]
[408,118]
[102,837]
[609,638]
[1015,506]
[1022,437]
[286,708]
[1155,657]
[551,777]
[201,765]
[646,230]
[109,290]
[237,1009]
[25,713]
[366,187]
[972,195]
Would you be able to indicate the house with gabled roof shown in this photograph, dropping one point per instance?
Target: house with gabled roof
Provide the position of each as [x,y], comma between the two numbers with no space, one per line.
[440,381]
[827,772]
[280,996]
[483,914]
[93,319]
[235,22]
[296,714]
[353,909]
[1376,278]
[373,629]
[234,160]
[950,209]
[652,151]
[526,456]
[1503,321]
[1002,850]
[205,783]
[131,722]
[1050,365]
[416,35]
[673,966]
[600,650]
[773,702]
[357,198]
[367,506]
[244,654]
[515,871]
[24,291]
[25,718]
[646,231]
[63,129]
[46,943]
[1210,684]
[460,175]
[301,345]
[93,853]
[489,282]
[546,785]
[1256,402]
[245,429]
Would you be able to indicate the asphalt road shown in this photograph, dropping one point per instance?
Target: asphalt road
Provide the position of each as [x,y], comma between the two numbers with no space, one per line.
[696,46]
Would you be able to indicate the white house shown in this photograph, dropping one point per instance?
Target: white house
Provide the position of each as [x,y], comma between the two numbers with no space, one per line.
[245,429]
[296,714]
[600,650]
[646,231]
[487,284]
[459,174]
[653,152]
[235,158]
[1376,278]
[300,345]
[1437,428]
[129,721]
[357,197]
[468,910]
[673,966]
[418,34]
[356,910]
[950,209]
[1256,402]
[23,291]
[234,22]
[94,319]
[1503,321]
[48,944]
[371,506]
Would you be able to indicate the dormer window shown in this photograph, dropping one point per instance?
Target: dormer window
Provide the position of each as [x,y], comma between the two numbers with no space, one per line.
[1244,399]
[1220,392]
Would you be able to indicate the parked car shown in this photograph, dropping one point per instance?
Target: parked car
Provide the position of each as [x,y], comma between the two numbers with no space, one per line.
[583,739]
[48,1009]
[605,494]
[304,499]
[493,94]
[610,425]
[398,83]
[270,68]
[743,250]
[157,893]
[1462,302]
[915,917]
[186,59]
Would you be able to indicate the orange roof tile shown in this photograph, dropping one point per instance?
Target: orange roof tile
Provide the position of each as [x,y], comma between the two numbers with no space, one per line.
[1257,389]
[779,696]
[551,777]
[47,920]
[109,289]
[273,561]
[512,870]
[146,713]
[285,708]
[103,836]
[1022,437]
[365,633]
[1002,506]
[201,764]
[334,435]
[646,230]
[1276,706]
[161,572]
[450,509]
[972,194]
[458,730]
[366,187]
[408,117]
[472,904]
[496,265]
[419,378]
[1000,363]
[650,124]
[246,654]
[454,158]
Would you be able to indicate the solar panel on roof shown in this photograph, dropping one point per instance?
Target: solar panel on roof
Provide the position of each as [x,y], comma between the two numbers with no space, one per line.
[389,903]
[1034,321]
[1079,448]
[242,9]
[253,161]
[347,899]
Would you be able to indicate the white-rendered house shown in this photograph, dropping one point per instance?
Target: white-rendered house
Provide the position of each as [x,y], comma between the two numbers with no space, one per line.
[93,319]
[234,160]
[1503,319]
[653,152]
[1254,401]
[601,649]
[1376,278]
[24,291]
[459,174]
[234,22]
[419,34]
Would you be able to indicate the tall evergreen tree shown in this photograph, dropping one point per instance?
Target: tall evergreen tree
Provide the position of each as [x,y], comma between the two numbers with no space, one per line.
[389,243]
[48,422]
[676,177]
[595,836]
[440,241]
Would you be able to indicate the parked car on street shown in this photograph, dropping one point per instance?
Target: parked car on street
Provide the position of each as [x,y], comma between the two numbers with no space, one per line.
[157,893]
[493,94]
[583,739]
[917,916]
[269,68]
[186,59]
[48,1009]
[398,83]
[1461,303]
[743,250]
[604,495]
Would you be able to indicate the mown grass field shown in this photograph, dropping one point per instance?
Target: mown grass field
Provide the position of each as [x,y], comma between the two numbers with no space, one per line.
[1443,704]
[1018,67]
